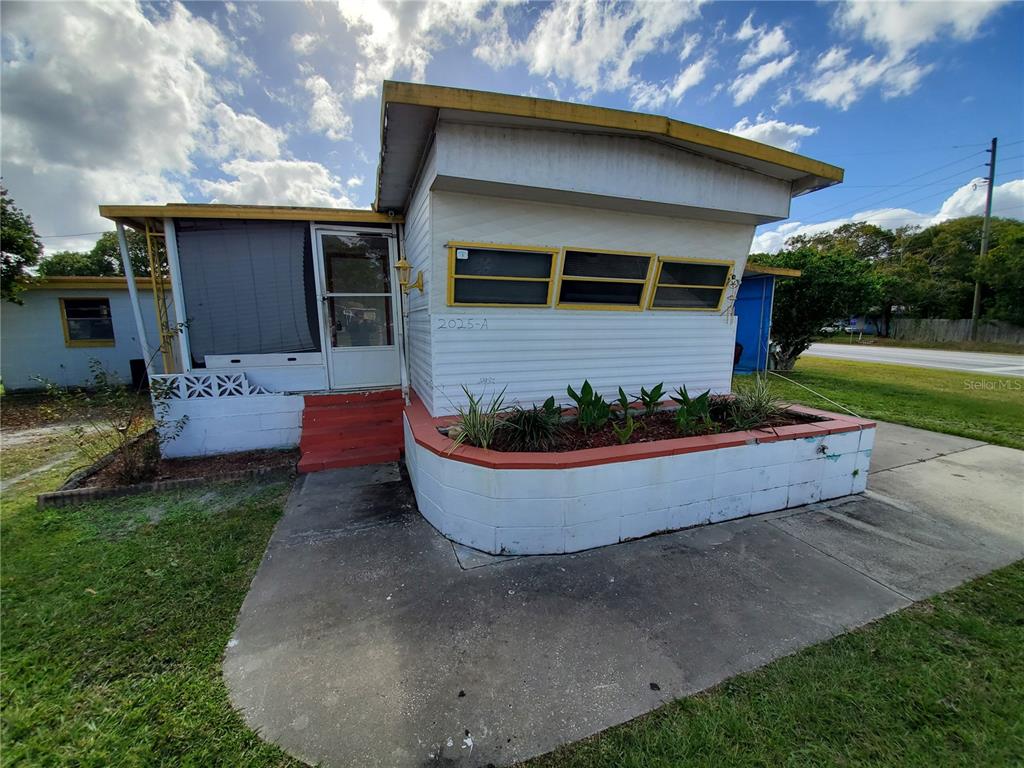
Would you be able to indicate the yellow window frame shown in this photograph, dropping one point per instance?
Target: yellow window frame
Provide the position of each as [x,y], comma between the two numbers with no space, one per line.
[674,259]
[68,341]
[651,258]
[452,277]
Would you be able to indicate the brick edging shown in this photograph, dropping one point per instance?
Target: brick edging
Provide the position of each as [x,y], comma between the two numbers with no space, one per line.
[76,496]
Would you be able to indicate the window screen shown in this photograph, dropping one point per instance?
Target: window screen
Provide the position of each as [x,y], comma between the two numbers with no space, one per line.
[499,275]
[690,285]
[248,287]
[87,322]
[597,280]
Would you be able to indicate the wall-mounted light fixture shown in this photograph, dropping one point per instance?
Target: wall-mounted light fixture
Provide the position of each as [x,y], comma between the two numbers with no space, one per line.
[404,271]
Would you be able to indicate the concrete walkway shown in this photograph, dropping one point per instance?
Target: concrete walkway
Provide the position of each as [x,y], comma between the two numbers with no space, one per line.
[367,640]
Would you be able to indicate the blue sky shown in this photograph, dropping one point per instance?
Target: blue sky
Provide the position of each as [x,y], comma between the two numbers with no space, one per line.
[279,102]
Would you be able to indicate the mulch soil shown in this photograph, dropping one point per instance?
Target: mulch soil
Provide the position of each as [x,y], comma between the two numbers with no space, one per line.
[660,426]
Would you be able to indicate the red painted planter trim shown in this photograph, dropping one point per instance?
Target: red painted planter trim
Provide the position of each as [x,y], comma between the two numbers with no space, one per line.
[424,431]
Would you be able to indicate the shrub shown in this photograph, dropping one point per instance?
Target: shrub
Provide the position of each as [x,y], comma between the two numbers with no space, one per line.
[478,424]
[753,405]
[652,399]
[694,413]
[532,429]
[624,432]
[592,412]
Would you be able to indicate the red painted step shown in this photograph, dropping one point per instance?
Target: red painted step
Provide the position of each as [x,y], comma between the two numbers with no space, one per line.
[352,429]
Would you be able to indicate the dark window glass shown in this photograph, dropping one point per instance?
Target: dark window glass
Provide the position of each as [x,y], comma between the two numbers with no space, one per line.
[356,264]
[682,273]
[588,292]
[89,319]
[493,263]
[361,321]
[610,265]
[470,291]
[688,298]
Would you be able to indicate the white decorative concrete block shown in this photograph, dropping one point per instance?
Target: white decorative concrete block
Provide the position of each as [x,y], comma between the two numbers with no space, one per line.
[472,533]
[528,483]
[806,448]
[690,491]
[860,482]
[646,498]
[773,476]
[732,483]
[804,493]
[730,507]
[522,513]
[769,500]
[529,541]
[863,465]
[595,533]
[867,439]
[470,477]
[834,487]
[843,442]
[688,515]
[739,457]
[583,480]
[840,465]
[687,466]
[593,507]
[807,471]
[777,452]
[643,524]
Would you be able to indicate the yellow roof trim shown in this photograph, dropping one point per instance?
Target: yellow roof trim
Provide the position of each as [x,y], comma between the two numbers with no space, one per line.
[85,282]
[753,266]
[441,97]
[262,212]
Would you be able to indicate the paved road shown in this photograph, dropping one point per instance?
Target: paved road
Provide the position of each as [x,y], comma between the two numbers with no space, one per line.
[973,362]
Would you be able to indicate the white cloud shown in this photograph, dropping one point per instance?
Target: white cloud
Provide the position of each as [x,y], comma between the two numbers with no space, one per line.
[653,96]
[326,113]
[305,43]
[744,87]
[277,182]
[775,132]
[840,83]
[690,43]
[901,26]
[244,135]
[765,42]
[101,101]
[967,200]
[354,181]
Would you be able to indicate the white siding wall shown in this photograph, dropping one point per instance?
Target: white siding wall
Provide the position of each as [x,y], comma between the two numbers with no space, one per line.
[611,166]
[418,253]
[33,339]
[537,352]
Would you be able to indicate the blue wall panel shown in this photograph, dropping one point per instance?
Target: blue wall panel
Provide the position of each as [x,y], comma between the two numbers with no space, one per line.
[754,315]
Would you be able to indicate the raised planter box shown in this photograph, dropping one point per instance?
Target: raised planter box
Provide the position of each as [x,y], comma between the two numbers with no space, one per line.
[551,503]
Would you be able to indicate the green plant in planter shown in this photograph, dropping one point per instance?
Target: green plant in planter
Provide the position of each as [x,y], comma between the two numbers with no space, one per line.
[592,412]
[753,405]
[624,402]
[652,399]
[478,422]
[532,429]
[694,412]
[625,431]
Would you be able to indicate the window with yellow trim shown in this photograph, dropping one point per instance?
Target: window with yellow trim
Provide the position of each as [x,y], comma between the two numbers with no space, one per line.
[603,279]
[498,275]
[686,284]
[87,322]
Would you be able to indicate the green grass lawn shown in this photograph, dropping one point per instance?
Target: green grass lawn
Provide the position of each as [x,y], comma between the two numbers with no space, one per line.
[939,684]
[989,408]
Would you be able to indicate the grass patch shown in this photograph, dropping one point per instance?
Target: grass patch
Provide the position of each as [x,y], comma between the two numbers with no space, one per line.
[941,683]
[115,616]
[989,408]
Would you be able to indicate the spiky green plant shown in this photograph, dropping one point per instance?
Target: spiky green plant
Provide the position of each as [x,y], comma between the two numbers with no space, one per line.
[478,422]
[592,411]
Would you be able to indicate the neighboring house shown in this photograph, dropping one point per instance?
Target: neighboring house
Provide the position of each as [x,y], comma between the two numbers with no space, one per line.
[66,322]
[547,243]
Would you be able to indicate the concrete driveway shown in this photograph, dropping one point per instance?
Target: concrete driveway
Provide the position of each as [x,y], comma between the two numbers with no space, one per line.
[969,362]
[368,639]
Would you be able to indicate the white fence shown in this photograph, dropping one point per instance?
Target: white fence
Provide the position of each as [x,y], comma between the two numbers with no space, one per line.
[919,329]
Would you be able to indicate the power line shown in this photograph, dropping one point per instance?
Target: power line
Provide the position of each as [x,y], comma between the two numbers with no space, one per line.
[75,234]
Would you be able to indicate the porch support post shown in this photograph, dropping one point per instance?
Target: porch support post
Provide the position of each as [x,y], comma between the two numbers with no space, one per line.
[177,295]
[403,339]
[133,295]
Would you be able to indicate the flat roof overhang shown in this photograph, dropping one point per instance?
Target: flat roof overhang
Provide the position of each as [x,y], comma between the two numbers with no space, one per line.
[85,283]
[753,269]
[409,112]
[136,215]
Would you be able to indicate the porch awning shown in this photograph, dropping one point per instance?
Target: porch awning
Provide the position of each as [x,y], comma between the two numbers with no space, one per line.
[135,216]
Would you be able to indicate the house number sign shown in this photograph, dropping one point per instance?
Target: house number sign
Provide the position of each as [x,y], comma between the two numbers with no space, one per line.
[462,323]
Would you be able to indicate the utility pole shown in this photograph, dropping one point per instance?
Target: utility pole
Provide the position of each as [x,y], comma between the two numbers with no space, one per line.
[985,229]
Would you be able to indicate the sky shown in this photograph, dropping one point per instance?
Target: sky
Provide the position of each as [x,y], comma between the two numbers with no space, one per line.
[279,103]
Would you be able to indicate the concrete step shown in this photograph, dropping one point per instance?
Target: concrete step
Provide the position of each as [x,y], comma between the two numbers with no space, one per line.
[354,398]
[329,458]
[384,436]
[351,415]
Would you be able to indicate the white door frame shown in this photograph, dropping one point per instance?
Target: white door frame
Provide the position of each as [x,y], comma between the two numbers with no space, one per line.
[327,350]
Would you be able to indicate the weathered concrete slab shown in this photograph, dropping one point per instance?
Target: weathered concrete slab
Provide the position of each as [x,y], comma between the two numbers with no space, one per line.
[364,641]
[897,446]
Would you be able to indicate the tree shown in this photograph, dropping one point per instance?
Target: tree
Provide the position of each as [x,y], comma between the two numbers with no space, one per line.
[1002,272]
[108,249]
[65,263]
[20,247]
[833,283]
